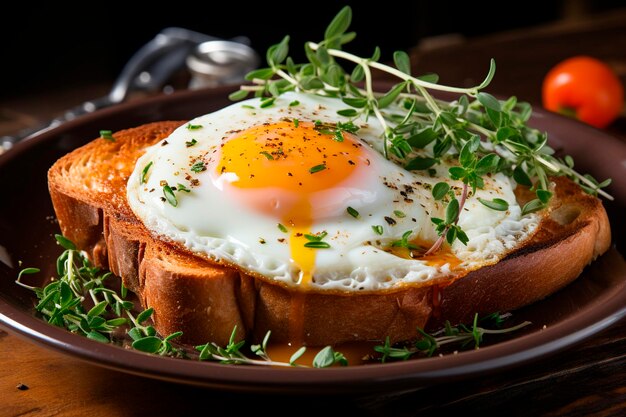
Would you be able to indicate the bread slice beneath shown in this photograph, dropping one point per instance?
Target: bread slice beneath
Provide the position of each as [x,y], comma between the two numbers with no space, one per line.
[205,300]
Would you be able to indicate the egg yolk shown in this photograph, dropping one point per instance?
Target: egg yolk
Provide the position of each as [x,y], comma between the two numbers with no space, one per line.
[296,165]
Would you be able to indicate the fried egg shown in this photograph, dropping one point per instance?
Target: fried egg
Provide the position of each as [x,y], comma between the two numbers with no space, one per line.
[276,192]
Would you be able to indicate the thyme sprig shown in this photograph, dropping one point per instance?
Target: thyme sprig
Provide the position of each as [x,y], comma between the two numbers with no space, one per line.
[80,301]
[485,135]
[462,335]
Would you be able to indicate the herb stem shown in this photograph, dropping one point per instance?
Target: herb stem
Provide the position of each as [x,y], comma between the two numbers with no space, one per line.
[435,247]
[393,71]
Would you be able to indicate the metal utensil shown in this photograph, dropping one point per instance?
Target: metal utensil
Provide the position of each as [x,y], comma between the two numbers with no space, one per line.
[153,64]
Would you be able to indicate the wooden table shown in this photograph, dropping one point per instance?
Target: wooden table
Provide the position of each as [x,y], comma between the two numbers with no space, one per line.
[588,379]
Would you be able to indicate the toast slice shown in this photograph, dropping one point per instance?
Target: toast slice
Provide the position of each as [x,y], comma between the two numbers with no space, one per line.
[206,300]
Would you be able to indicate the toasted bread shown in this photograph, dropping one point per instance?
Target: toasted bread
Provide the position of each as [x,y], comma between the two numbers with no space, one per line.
[206,300]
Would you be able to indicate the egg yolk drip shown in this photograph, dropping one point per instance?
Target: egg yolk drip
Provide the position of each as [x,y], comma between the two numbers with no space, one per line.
[301,169]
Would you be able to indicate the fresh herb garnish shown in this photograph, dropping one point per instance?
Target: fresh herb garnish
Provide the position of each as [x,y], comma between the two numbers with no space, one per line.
[404,242]
[399,214]
[352,212]
[144,172]
[485,134]
[495,204]
[108,135]
[79,301]
[463,335]
[267,155]
[378,229]
[198,167]
[296,123]
[182,187]
[294,103]
[190,143]
[193,127]
[317,168]
[169,195]
[282,227]
[82,300]
[316,241]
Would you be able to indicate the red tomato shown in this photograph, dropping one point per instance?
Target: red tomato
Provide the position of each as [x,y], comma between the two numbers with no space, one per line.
[585,88]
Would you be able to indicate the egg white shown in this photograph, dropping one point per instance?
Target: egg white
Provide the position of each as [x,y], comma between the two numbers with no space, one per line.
[207,223]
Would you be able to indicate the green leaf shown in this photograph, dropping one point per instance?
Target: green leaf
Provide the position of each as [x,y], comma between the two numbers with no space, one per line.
[451,235]
[347,112]
[452,211]
[145,315]
[357,74]
[487,163]
[311,83]
[317,245]
[93,335]
[422,138]
[402,61]
[339,24]
[532,206]
[324,358]
[116,322]
[505,133]
[261,74]
[135,333]
[420,163]
[467,158]
[391,95]
[440,190]
[520,176]
[238,95]
[376,54]
[172,336]
[149,344]
[456,173]
[98,309]
[169,195]
[490,74]
[297,354]
[352,212]
[279,54]
[495,204]
[489,101]
[66,294]
[65,242]
[429,78]
[378,229]
[317,168]
[544,195]
[357,102]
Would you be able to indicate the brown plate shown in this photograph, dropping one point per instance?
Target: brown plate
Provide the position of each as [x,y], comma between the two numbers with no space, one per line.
[595,301]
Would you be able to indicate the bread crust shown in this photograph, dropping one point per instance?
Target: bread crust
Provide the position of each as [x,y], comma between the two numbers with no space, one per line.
[205,300]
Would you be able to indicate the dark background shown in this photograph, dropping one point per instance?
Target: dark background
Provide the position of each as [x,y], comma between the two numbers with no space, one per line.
[54,47]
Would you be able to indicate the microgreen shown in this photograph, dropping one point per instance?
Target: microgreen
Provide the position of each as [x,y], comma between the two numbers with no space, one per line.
[352,212]
[317,168]
[404,242]
[378,229]
[193,127]
[144,172]
[484,134]
[316,241]
[81,300]
[108,135]
[267,155]
[169,195]
[190,143]
[198,167]
[463,335]
[282,227]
